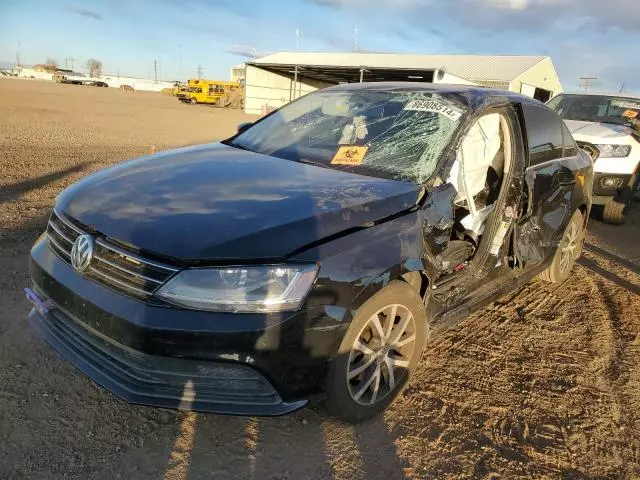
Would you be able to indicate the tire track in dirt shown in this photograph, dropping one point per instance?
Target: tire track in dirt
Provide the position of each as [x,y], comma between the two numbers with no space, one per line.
[511,391]
[621,322]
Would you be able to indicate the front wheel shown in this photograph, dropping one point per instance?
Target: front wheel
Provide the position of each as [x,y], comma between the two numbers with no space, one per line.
[613,212]
[568,251]
[378,354]
[193,101]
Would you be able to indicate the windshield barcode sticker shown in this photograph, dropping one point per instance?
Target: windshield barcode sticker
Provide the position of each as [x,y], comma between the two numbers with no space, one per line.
[433,107]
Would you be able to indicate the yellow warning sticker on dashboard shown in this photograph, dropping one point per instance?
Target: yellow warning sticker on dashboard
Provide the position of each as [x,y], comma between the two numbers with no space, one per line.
[630,113]
[348,155]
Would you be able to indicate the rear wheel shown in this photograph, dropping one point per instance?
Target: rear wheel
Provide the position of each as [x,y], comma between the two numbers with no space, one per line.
[568,251]
[378,354]
[613,212]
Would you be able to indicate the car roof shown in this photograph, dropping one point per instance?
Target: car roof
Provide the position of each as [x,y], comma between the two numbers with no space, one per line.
[474,96]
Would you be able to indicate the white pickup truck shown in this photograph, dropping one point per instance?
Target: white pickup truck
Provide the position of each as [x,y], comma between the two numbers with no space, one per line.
[599,126]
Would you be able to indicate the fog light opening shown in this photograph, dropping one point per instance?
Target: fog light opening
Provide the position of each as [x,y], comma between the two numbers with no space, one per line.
[611,182]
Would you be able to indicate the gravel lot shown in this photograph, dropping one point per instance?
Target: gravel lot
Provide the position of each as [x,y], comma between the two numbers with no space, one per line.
[544,383]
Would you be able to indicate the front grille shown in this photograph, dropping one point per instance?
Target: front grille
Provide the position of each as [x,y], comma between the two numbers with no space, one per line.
[110,265]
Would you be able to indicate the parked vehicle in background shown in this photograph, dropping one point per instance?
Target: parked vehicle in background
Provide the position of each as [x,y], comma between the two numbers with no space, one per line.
[206,91]
[315,253]
[178,87]
[602,126]
[98,83]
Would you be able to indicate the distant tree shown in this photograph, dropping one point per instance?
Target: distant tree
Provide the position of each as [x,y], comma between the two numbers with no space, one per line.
[51,61]
[95,67]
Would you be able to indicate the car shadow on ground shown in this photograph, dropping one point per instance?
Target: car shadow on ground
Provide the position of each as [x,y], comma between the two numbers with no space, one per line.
[612,277]
[15,190]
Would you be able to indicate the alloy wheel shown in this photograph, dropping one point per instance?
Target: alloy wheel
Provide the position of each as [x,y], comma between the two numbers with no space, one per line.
[381,353]
[569,246]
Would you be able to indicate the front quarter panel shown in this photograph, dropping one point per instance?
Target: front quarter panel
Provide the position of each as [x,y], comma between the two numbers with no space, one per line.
[365,261]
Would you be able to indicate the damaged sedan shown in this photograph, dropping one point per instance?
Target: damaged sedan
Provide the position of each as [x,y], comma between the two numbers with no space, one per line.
[313,255]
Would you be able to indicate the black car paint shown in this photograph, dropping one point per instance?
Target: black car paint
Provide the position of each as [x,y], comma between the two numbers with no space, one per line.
[252,206]
[361,244]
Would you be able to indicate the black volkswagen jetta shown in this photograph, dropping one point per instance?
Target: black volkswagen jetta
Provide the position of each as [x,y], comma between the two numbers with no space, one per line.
[313,254]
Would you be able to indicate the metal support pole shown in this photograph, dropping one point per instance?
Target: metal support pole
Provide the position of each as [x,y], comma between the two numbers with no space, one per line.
[295,81]
[361,74]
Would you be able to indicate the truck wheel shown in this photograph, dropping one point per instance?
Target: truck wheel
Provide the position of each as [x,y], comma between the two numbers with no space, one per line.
[378,353]
[613,212]
[568,251]
[193,101]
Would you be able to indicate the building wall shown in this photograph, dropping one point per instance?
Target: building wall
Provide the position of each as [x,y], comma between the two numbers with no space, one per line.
[542,76]
[32,73]
[139,84]
[237,73]
[452,80]
[265,90]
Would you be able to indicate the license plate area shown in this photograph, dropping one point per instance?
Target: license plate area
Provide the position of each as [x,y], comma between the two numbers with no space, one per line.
[41,305]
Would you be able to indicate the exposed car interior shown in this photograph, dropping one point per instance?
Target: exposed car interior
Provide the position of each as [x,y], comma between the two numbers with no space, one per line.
[481,162]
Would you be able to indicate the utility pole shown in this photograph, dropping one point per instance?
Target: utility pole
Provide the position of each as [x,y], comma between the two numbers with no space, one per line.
[299,36]
[199,71]
[155,70]
[18,64]
[622,87]
[355,39]
[587,82]
[68,61]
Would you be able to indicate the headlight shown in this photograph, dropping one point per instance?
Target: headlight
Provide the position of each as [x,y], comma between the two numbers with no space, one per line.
[614,151]
[241,289]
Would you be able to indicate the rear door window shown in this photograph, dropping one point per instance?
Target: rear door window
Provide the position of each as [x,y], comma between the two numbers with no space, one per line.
[544,134]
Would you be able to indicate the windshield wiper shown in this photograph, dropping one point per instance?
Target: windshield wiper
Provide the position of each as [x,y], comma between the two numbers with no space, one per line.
[311,162]
[235,145]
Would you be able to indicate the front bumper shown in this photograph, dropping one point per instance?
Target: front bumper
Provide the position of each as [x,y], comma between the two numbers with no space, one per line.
[171,357]
[161,382]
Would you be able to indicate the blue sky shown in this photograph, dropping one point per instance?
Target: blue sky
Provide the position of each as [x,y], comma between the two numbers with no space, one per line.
[596,38]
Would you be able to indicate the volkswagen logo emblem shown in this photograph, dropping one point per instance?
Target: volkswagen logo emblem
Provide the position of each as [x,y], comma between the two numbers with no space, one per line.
[82,252]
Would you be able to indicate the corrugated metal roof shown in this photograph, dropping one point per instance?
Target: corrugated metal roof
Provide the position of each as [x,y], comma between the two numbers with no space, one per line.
[472,67]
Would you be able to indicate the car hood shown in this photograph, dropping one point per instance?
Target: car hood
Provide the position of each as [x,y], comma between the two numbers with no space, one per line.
[597,132]
[216,202]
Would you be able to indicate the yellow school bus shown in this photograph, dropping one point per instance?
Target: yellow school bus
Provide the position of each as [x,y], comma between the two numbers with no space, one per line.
[206,91]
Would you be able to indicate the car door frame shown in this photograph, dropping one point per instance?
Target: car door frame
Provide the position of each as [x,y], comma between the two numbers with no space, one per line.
[452,298]
[548,203]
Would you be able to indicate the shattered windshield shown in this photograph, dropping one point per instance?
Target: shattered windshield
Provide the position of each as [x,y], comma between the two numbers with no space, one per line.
[594,108]
[395,135]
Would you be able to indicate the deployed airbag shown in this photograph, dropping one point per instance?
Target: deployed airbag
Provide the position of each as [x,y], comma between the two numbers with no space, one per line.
[480,149]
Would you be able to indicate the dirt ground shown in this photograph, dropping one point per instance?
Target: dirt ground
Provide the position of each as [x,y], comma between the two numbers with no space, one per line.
[544,383]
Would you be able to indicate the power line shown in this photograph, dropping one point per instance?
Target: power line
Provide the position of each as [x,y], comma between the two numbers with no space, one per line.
[199,71]
[587,82]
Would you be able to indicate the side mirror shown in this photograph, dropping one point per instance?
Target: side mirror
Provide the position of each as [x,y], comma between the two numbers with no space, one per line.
[243,126]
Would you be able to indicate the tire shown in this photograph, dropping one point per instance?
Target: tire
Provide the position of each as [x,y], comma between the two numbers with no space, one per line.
[385,366]
[613,212]
[567,252]
[193,101]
